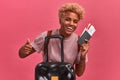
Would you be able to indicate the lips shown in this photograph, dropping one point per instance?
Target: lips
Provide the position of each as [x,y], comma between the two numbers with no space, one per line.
[70,29]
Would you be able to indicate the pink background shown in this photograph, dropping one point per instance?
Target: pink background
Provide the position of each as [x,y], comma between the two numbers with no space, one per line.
[22,19]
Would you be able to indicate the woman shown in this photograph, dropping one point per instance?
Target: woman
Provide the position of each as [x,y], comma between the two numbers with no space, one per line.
[69,16]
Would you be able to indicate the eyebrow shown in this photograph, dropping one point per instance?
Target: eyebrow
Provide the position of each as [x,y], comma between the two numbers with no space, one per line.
[70,18]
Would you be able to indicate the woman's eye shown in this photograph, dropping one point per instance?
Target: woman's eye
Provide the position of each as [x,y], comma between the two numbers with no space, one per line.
[67,19]
[75,21]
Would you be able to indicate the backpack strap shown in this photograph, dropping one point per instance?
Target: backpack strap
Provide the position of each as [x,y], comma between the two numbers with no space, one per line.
[48,34]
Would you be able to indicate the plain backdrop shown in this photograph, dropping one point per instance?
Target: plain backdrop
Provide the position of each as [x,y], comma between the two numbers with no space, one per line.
[22,19]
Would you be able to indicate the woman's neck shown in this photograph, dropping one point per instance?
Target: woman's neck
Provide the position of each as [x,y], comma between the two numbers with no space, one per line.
[62,33]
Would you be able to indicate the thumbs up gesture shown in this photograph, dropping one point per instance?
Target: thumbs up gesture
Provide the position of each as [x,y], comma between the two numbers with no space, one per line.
[27,47]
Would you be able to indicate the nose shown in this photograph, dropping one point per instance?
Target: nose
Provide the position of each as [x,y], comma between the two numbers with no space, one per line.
[71,23]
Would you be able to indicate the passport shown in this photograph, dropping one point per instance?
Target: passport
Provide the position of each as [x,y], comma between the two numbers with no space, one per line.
[86,34]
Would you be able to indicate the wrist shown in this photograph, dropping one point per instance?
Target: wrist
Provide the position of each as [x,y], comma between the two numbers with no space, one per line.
[82,58]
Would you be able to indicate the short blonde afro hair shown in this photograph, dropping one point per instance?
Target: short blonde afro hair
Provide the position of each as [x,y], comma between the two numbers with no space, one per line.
[72,7]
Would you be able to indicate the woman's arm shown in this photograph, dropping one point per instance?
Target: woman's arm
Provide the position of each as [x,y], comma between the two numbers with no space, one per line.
[80,67]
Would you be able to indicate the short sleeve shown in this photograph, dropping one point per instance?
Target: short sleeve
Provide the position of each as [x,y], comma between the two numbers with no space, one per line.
[38,43]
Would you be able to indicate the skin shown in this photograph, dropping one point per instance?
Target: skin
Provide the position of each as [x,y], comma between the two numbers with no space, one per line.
[26,50]
[68,23]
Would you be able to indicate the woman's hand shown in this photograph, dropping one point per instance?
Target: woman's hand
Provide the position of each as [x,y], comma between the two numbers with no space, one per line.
[26,50]
[84,48]
[27,47]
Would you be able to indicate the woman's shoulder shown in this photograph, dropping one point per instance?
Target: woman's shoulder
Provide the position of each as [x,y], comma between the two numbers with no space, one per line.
[75,35]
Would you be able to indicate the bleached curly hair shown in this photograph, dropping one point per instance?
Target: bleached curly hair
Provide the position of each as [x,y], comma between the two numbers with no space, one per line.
[72,7]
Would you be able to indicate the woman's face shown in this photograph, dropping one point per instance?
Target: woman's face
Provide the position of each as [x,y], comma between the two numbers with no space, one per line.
[69,22]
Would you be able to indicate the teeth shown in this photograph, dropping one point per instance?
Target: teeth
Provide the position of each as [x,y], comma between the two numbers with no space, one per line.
[70,28]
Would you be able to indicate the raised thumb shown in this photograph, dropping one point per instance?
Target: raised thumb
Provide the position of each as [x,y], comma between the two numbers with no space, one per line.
[28,41]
